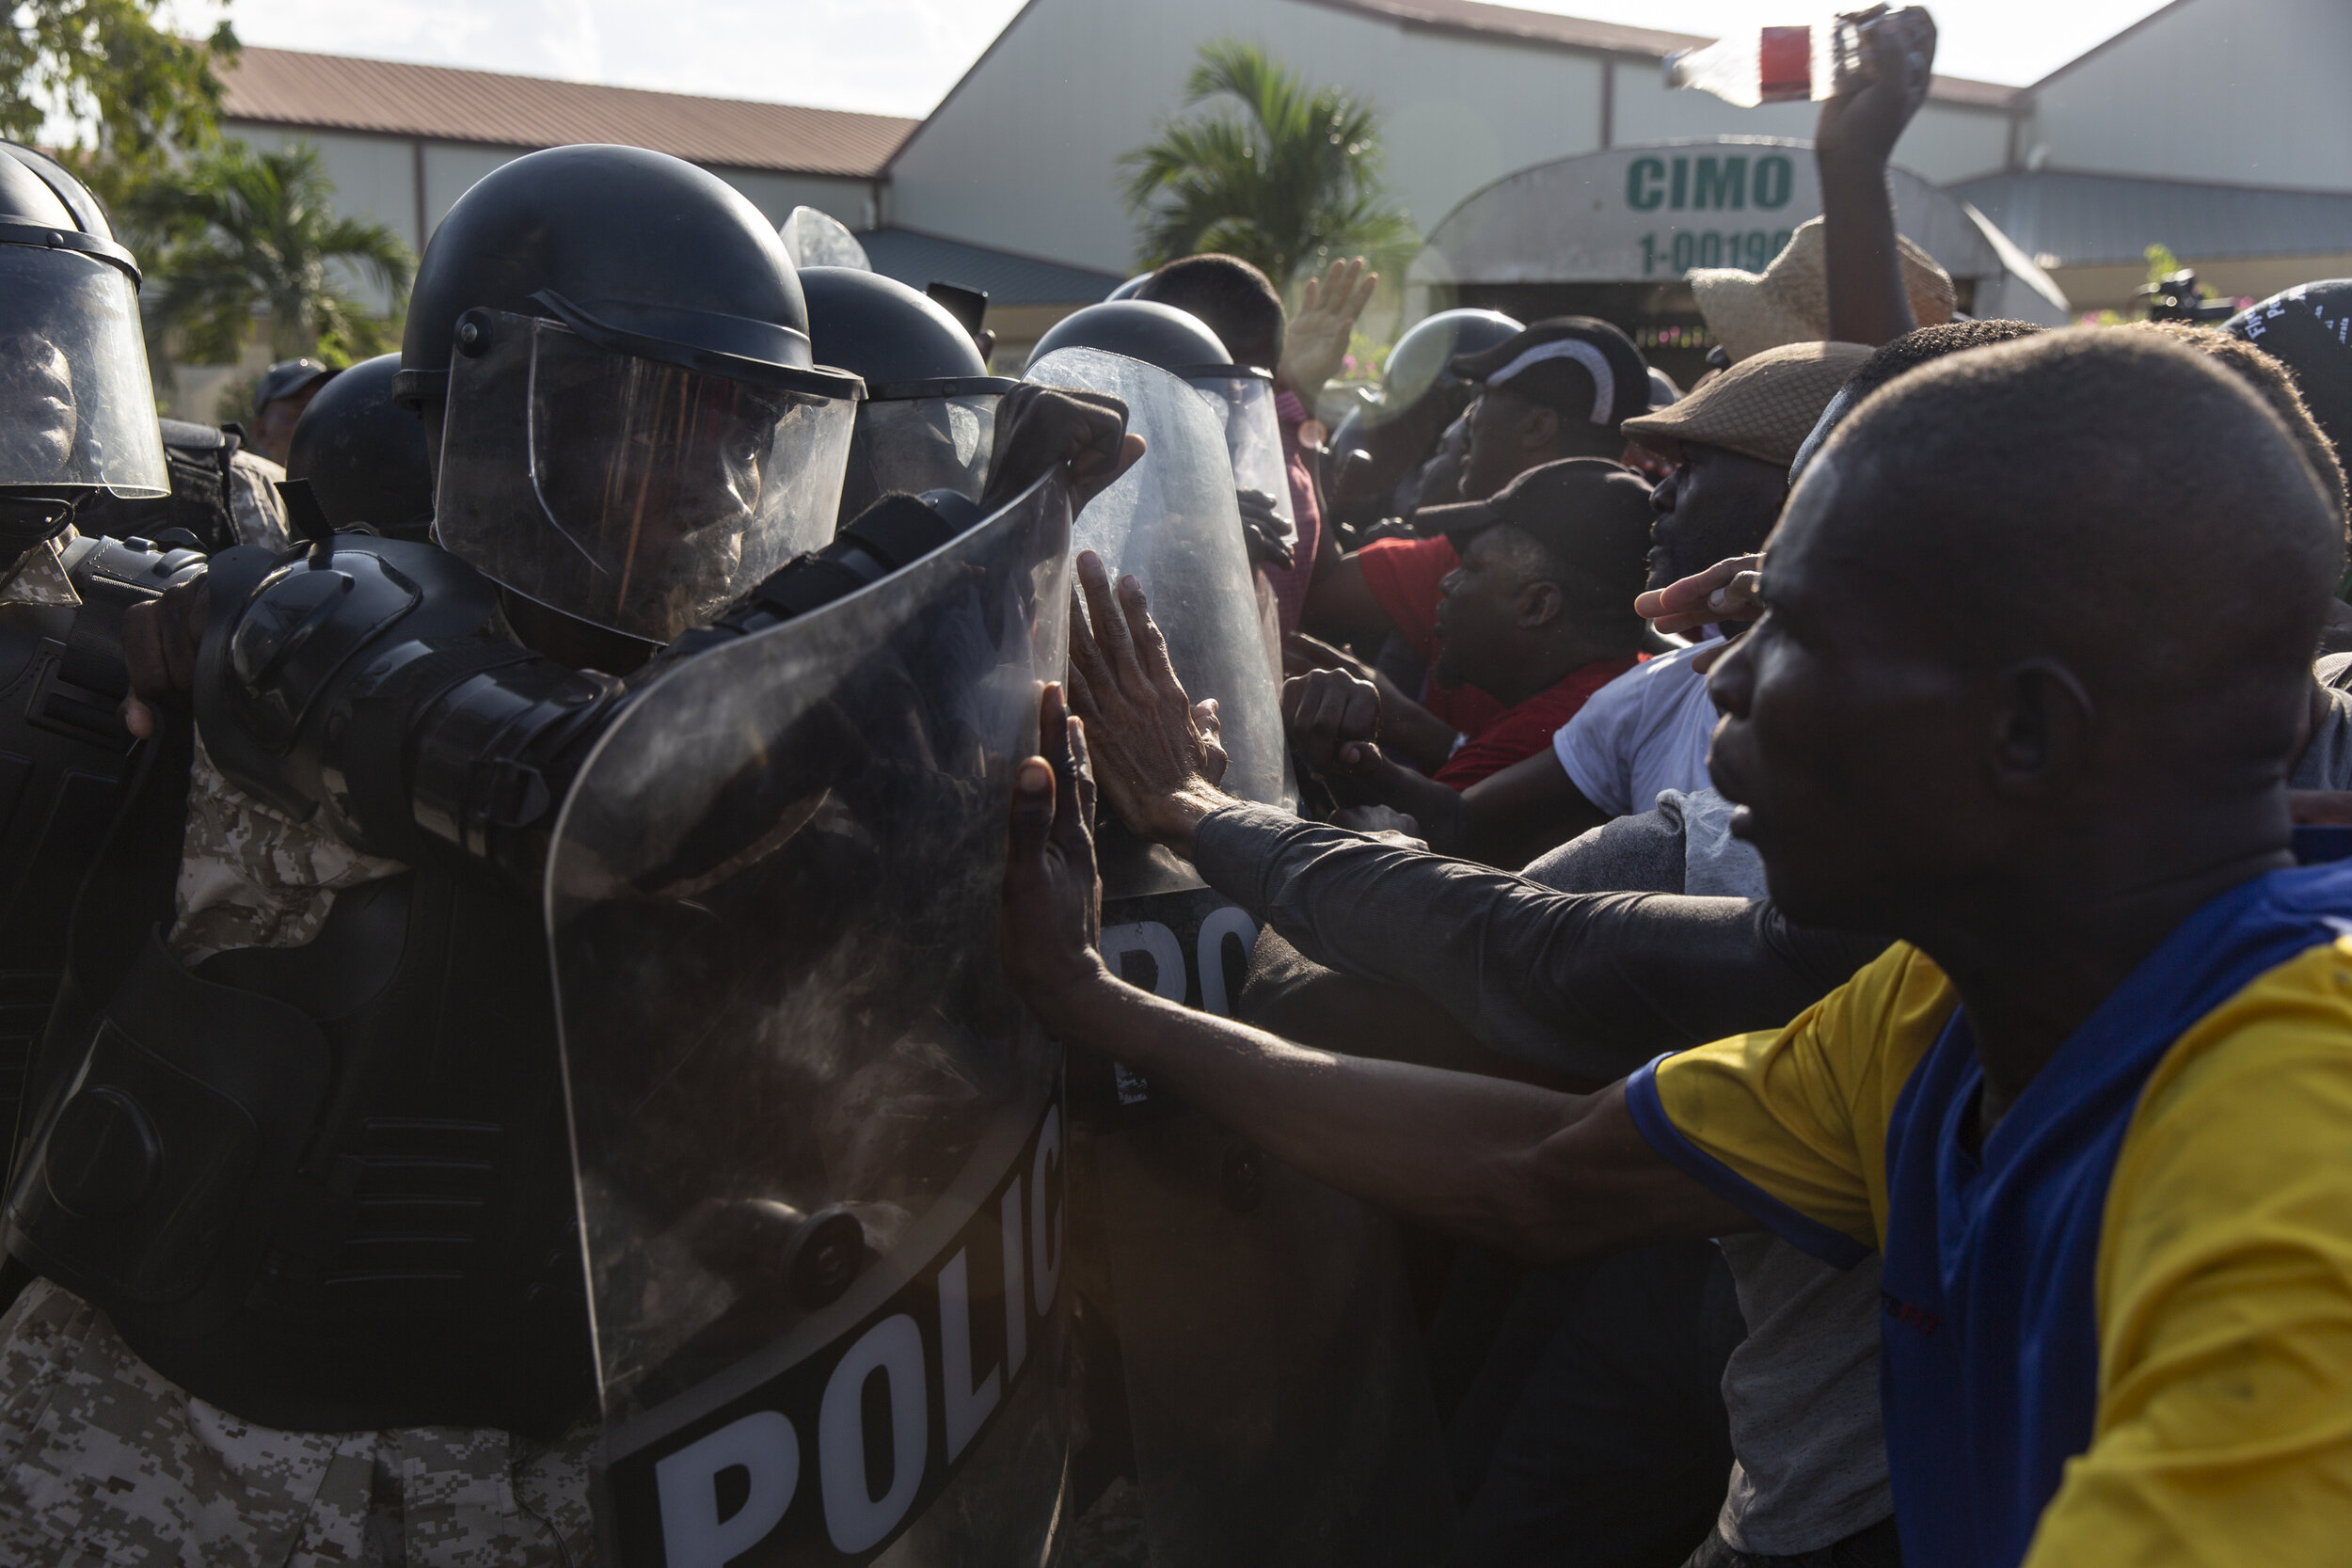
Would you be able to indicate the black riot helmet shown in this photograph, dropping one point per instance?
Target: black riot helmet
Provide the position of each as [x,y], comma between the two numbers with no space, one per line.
[363,454]
[929,415]
[612,348]
[1176,340]
[1421,361]
[78,409]
[1181,344]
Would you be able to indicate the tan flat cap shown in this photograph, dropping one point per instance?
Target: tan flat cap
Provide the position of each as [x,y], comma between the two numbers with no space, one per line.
[1788,301]
[1764,406]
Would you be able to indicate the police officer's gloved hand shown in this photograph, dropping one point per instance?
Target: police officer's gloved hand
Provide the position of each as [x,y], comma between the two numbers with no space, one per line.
[1263,530]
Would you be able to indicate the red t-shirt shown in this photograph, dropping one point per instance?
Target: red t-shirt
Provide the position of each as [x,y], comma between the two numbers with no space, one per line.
[1522,731]
[1404,575]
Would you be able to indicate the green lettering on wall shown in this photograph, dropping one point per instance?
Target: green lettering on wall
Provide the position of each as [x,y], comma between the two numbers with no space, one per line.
[1723,184]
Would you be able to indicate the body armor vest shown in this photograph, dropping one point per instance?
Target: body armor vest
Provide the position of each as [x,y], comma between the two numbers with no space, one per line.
[63,756]
[325,1187]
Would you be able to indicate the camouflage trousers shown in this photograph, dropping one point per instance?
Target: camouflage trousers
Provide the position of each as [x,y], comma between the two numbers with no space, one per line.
[101,1460]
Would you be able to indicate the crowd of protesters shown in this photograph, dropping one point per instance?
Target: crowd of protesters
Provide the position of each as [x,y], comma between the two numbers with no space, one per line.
[1866,848]
[1820,902]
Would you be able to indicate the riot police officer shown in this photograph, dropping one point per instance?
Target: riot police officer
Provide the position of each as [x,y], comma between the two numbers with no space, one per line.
[297,1183]
[78,427]
[362,455]
[930,414]
[1183,345]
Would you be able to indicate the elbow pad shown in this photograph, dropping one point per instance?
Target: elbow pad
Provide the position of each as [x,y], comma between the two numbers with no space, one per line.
[894,533]
[371,684]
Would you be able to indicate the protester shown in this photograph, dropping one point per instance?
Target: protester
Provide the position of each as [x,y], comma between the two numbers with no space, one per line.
[2305,329]
[1539,613]
[283,392]
[2072,808]
[1559,389]
[1732,441]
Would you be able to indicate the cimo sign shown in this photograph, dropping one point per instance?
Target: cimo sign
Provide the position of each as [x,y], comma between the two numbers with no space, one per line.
[1648,214]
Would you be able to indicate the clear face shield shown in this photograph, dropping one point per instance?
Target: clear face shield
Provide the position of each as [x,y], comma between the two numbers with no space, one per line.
[1244,401]
[628,492]
[78,409]
[919,444]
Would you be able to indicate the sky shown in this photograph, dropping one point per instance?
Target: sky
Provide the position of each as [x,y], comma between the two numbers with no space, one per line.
[900,56]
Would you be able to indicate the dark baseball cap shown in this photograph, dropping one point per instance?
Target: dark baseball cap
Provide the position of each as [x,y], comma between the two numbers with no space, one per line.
[285,378]
[1592,514]
[1578,365]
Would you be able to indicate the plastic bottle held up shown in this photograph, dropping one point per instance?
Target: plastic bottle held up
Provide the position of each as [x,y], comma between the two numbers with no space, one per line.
[1810,59]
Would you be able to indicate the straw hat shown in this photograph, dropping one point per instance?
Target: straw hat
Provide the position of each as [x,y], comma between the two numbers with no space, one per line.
[1788,301]
[1763,406]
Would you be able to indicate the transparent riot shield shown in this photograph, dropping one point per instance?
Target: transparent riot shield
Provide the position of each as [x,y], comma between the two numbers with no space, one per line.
[1243,399]
[817,239]
[1173,521]
[1252,1378]
[820,1145]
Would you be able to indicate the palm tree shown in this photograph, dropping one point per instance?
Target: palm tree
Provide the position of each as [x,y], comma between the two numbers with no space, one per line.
[238,230]
[1291,179]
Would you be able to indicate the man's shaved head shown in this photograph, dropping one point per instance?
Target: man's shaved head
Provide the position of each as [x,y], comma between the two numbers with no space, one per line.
[2111,498]
[2031,601]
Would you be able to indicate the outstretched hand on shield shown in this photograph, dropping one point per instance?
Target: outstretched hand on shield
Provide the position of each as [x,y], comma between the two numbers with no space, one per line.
[1156,751]
[1052,914]
[1037,427]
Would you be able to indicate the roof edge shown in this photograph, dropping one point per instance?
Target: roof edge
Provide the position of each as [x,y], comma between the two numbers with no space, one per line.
[976,244]
[2150,179]
[890,163]
[882,121]
[2104,45]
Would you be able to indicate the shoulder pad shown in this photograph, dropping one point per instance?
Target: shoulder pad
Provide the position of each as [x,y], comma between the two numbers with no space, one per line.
[193,438]
[304,632]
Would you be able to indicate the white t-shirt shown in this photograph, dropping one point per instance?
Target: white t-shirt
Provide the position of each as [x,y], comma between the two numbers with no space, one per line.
[1645,731]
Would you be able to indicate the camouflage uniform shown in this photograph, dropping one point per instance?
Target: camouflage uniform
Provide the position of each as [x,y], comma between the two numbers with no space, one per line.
[251,876]
[38,577]
[256,510]
[101,1460]
[104,1460]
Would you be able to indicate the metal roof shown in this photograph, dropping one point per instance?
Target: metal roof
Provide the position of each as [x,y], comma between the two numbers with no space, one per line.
[335,92]
[919,259]
[2073,220]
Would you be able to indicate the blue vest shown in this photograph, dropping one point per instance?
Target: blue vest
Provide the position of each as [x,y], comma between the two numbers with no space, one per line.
[1990,1369]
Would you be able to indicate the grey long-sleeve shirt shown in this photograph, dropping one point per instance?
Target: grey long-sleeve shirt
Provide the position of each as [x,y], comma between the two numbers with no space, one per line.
[1593,984]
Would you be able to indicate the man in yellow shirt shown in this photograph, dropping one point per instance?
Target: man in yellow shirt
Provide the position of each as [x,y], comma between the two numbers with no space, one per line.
[2037,651]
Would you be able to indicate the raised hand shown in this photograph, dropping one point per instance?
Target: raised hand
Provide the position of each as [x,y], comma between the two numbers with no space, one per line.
[1154,759]
[1866,119]
[1315,340]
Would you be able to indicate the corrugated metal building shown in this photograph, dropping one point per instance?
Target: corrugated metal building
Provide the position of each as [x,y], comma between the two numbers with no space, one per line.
[2216,127]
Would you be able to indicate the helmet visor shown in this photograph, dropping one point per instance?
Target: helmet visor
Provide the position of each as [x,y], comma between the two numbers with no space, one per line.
[634,494]
[1253,440]
[78,409]
[919,444]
